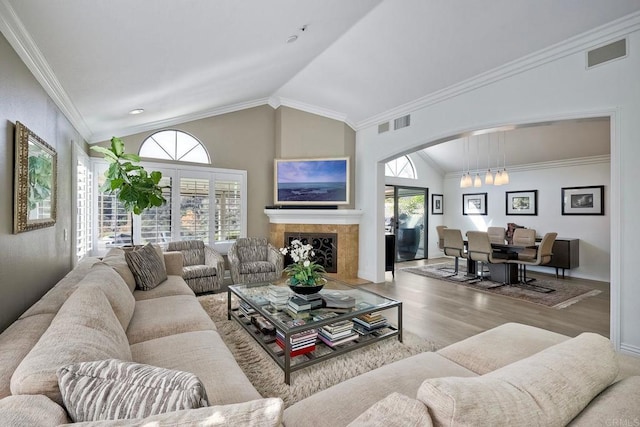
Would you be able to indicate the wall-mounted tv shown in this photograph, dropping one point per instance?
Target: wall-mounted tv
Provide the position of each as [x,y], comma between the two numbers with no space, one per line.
[311,181]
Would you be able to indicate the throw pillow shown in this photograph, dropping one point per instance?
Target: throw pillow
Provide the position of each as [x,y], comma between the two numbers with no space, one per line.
[113,389]
[548,388]
[147,267]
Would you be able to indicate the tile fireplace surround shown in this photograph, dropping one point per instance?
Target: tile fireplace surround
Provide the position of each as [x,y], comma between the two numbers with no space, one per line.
[343,222]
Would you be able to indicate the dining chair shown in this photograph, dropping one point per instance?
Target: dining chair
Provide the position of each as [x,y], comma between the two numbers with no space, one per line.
[525,237]
[497,234]
[439,230]
[453,245]
[542,257]
[479,250]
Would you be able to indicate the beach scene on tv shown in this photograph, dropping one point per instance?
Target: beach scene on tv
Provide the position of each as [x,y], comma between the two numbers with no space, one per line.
[312,181]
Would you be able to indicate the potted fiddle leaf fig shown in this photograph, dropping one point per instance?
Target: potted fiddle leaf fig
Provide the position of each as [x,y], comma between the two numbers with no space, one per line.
[131,183]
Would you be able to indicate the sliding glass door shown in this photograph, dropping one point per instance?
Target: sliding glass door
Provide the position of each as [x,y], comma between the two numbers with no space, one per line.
[405,216]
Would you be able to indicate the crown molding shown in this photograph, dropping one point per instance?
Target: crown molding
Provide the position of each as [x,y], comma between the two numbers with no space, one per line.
[592,38]
[555,164]
[202,114]
[21,41]
[276,101]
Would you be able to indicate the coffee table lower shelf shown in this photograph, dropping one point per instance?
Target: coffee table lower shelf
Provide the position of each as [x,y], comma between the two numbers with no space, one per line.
[323,351]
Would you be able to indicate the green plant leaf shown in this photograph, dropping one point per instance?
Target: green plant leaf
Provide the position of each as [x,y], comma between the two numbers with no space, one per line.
[117,146]
[156,177]
[132,157]
[106,152]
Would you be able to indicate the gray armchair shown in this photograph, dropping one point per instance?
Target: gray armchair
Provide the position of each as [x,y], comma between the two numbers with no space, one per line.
[253,259]
[203,267]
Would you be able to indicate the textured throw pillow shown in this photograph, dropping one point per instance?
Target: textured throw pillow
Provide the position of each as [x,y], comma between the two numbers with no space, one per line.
[548,388]
[147,267]
[113,389]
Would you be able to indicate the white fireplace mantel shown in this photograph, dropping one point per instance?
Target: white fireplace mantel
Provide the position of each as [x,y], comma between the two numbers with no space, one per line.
[314,216]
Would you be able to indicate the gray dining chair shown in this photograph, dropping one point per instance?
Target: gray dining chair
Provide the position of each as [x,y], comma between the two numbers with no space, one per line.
[479,250]
[525,237]
[453,245]
[543,256]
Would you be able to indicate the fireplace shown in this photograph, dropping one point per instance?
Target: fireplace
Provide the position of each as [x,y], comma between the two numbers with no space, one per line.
[341,224]
[325,248]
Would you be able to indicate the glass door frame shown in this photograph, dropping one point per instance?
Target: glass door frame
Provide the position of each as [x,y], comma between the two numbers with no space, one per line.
[395,223]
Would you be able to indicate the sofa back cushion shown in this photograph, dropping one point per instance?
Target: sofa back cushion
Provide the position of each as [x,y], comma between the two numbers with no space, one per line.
[106,279]
[84,329]
[114,258]
[548,388]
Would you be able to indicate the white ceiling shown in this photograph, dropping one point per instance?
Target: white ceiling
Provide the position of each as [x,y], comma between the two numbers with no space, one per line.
[356,60]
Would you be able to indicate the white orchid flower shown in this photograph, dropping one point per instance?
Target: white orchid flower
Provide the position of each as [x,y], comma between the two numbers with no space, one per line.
[307,263]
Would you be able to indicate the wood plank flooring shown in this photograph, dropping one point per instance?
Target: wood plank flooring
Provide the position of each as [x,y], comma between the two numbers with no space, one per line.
[446,312]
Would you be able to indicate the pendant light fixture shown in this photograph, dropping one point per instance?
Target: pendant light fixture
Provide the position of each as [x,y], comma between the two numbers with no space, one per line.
[463,178]
[505,174]
[497,181]
[488,177]
[477,182]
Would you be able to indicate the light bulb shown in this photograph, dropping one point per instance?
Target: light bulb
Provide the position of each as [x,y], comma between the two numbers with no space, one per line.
[477,182]
[488,178]
[498,179]
[505,176]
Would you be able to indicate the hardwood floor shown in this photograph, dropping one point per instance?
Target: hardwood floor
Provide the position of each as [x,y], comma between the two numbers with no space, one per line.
[446,312]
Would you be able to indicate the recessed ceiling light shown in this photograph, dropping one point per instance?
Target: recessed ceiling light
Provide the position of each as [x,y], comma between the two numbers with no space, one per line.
[292,38]
[137,111]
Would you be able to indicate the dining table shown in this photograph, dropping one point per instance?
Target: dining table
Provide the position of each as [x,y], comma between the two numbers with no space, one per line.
[498,273]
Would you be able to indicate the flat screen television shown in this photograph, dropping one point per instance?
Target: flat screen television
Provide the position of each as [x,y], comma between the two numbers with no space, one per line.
[321,182]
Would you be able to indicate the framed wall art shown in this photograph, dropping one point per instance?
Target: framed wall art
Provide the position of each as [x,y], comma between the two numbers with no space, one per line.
[35,182]
[583,200]
[521,202]
[474,204]
[437,204]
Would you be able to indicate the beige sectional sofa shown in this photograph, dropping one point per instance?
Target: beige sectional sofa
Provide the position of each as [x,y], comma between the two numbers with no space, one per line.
[511,375]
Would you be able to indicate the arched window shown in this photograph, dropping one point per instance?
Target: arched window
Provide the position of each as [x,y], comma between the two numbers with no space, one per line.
[174,145]
[402,167]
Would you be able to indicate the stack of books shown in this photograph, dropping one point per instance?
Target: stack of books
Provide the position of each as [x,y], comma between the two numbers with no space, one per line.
[277,297]
[301,343]
[314,300]
[337,333]
[298,308]
[368,323]
[338,301]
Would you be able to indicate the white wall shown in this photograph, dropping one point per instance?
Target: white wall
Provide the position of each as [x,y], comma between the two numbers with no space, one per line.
[593,231]
[553,85]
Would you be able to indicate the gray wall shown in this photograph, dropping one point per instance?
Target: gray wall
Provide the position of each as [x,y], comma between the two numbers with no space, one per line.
[31,262]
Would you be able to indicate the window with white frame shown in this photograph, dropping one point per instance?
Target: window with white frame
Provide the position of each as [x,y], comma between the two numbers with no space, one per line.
[83,193]
[402,167]
[174,145]
[202,203]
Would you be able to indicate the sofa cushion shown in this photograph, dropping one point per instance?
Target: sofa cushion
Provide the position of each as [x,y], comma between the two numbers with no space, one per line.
[84,329]
[147,267]
[395,410]
[115,259]
[548,388]
[617,402]
[251,267]
[500,346]
[114,389]
[106,279]
[31,410]
[16,342]
[344,402]
[159,317]
[256,413]
[174,285]
[204,354]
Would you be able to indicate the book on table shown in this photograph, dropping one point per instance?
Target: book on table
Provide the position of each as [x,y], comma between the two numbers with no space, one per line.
[299,304]
[335,336]
[308,297]
[334,343]
[338,299]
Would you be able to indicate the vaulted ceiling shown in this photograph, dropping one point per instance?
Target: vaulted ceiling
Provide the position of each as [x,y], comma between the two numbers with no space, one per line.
[353,60]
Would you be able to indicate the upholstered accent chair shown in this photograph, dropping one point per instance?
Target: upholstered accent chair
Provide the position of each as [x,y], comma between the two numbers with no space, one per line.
[203,266]
[254,259]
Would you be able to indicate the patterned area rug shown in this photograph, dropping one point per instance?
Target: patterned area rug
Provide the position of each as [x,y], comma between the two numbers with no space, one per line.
[564,293]
[268,378]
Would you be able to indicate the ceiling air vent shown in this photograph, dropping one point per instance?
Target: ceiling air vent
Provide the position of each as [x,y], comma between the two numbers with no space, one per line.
[606,53]
[383,127]
[402,122]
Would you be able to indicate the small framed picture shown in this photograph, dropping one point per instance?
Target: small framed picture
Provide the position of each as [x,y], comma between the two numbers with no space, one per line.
[583,200]
[437,204]
[522,202]
[474,204]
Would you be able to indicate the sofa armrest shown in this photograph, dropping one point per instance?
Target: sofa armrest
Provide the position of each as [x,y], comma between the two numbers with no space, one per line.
[31,410]
[234,263]
[274,256]
[174,262]
[213,258]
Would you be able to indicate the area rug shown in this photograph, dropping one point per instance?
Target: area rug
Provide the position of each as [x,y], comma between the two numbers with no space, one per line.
[564,293]
[267,377]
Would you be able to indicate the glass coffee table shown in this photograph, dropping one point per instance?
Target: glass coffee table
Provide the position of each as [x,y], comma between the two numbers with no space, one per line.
[342,318]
